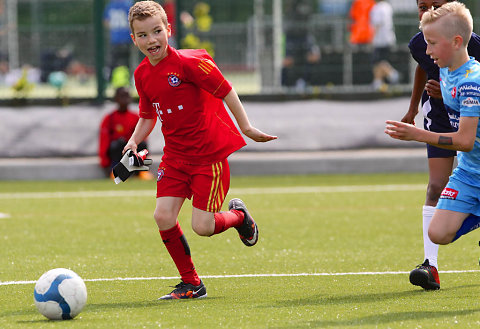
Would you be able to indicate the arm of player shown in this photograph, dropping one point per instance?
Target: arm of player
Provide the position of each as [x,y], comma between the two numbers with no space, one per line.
[419,81]
[461,140]
[433,89]
[236,107]
[143,128]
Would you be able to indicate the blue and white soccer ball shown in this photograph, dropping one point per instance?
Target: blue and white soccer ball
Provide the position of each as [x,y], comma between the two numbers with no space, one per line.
[60,294]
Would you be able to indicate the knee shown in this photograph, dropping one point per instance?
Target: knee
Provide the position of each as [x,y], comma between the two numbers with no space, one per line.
[434,190]
[164,219]
[439,237]
[201,228]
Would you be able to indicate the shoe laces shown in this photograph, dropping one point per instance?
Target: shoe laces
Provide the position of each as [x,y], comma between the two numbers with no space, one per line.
[179,286]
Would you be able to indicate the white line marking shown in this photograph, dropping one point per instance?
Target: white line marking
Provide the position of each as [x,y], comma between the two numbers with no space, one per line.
[9,283]
[242,191]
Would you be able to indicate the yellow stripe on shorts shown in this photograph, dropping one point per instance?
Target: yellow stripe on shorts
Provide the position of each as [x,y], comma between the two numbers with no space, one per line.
[216,196]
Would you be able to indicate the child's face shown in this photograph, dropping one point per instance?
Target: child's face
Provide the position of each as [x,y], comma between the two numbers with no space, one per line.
[439,47]
[424,5]
[151,37]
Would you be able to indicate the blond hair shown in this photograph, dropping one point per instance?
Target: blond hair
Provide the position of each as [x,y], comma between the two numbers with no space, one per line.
[459,20]
[145,9]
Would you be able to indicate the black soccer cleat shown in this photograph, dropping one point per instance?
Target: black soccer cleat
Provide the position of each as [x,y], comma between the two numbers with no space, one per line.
[186,291]
[425,276]
[248,231]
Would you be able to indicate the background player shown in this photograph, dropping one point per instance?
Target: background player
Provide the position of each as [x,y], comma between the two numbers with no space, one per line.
[184,89]
[447,31]
[115,130]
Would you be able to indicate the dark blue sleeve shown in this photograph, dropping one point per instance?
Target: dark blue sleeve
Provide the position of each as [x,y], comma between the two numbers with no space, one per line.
[474,46]
[418,48]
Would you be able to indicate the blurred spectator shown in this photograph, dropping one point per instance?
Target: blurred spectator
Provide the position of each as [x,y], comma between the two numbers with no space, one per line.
[195,26]
[3,68]
[55,61]
[116,21]
[334,7]
[170,9]
[115,130]
[301,50]
[22,80]
[361,32]
[381,18]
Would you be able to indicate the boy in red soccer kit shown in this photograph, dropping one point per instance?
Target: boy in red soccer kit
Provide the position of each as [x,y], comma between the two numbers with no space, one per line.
[185,90]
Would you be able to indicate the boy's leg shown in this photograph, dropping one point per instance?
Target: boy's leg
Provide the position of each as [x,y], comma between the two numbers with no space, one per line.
[445,225]
[470,223]
[439,169]
[440,163]
[430,249]
[425,275]
[166,213]
[205,223]
[210,185]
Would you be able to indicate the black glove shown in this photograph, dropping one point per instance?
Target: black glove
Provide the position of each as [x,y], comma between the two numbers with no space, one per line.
[130,163]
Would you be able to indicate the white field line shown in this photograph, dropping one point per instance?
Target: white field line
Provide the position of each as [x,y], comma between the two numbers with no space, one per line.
[241,191]
[10,283]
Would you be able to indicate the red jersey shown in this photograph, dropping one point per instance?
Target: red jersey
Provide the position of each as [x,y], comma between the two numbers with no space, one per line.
[115,125]
[185,91]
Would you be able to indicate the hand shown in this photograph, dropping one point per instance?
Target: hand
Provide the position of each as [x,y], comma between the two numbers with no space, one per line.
[409,117]
[130,146]
[400,130]
[130,163]
[433,89]
[257,135]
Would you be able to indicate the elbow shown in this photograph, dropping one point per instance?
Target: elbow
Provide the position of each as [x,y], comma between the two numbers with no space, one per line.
[466,147]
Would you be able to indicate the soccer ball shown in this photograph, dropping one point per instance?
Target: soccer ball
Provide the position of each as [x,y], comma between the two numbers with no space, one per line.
[60,294]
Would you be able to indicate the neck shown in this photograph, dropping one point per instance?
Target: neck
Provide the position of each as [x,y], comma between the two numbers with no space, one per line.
[461,59]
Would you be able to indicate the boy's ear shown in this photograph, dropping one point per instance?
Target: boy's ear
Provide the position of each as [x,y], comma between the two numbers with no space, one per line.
[133,38]
[458,41]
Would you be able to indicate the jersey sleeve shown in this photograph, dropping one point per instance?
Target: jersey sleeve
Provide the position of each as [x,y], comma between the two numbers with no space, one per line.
[145,109]
[203,71]
[474,46]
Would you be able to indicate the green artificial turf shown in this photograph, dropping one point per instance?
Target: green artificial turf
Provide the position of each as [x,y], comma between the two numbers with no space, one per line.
[334,252]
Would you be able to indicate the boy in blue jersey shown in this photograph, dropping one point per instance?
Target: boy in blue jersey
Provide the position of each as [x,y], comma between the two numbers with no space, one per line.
[447,31]
[426,88]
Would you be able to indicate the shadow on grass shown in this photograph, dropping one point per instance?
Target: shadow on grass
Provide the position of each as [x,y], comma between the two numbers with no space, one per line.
[100,307]
[361,298]
[382,319]
[375,319]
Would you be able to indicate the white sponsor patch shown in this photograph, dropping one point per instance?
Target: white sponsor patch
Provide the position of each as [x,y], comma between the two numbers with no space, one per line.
[469,102]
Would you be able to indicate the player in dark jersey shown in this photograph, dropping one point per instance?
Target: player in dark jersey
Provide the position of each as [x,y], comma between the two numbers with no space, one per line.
[185,90]
[440,161]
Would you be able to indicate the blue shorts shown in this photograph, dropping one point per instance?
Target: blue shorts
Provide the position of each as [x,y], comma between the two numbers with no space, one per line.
[460,197]
[435,118]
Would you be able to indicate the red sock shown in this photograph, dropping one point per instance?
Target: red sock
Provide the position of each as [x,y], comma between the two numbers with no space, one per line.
[227,219]
[179,250]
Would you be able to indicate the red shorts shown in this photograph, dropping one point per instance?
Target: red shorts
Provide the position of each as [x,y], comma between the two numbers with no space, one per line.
[208,184]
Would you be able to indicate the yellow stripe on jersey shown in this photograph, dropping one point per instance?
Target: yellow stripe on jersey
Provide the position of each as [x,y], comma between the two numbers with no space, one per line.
[206,66]
[215,198]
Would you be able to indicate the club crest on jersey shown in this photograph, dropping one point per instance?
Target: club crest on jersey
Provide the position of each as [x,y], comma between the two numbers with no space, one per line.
[160,174]
[454,92]
[173,80]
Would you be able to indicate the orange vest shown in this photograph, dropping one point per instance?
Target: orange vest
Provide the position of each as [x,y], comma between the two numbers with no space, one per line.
[360,30]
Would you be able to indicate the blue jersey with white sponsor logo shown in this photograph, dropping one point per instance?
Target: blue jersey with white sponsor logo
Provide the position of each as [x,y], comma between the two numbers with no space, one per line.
[461,96]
